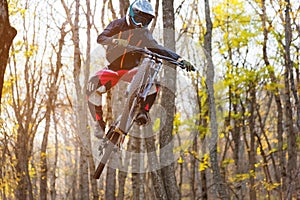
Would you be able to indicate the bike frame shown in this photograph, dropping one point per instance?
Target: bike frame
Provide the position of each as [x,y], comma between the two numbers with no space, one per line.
[141,84]
[138,90]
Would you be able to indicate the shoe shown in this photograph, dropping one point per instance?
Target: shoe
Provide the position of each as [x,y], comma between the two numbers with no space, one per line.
[142,118]
[99,129]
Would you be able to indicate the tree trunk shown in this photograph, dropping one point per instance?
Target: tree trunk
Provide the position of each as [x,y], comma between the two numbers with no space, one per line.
[112,108]
[124,5]
[168,102]
[121,179]
[53,171]
[24,186]
[193,171]
[155,173]
[49,108]
[7,34]
[28,117]
[81,111]
[202,135]
[288,81]
[252,152]
[281,157]
[110,189]
[43,153]
[220,186]
[91,163]
[137,178]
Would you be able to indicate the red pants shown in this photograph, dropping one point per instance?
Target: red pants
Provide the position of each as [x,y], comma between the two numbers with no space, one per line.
[110,78]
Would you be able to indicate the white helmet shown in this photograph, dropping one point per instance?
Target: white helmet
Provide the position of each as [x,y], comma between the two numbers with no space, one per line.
[141,13]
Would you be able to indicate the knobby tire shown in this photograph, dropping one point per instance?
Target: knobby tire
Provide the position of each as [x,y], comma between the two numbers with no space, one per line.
[108,150]
[138,81]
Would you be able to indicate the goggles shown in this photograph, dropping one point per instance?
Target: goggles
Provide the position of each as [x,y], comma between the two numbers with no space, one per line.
[141,19]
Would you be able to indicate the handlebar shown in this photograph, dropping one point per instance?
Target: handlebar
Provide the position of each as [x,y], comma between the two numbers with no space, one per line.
[155,56]
[152,55]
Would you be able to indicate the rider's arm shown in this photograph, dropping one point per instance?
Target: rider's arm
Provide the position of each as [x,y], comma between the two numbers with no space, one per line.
[115,27]
[106,36]
[153,46]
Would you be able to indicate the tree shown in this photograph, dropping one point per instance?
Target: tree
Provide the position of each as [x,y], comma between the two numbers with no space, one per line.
[274,81]
[50,107]
[86,165]
[7,34]
[168,102]
[219,184]
[289,83]
[26,104]
[124,5]
[248,103]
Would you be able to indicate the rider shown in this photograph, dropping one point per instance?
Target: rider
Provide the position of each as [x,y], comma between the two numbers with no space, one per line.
[131,29]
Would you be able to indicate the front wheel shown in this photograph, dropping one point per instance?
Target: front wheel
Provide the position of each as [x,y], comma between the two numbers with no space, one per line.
[134,96]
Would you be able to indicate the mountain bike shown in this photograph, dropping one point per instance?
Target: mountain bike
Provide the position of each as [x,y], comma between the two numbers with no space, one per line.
[139,88]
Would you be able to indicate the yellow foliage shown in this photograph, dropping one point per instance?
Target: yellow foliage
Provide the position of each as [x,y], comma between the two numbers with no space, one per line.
[270,186]
[233,21]
[227,162]
[204,163]
[156,125]
[184,146]
[222,135]
[31,51]
[240,177]
[43,154]
[14,8]
[180,160]
[176,123]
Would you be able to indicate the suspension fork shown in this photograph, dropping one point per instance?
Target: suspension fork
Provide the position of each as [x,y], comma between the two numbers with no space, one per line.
[152,75]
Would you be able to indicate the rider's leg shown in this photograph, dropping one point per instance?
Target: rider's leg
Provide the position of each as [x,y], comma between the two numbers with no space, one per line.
[127,75]
[94,97]
[99,124]
[97,85]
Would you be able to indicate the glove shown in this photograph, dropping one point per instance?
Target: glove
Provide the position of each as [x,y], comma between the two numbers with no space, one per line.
[120,42]
[187,65]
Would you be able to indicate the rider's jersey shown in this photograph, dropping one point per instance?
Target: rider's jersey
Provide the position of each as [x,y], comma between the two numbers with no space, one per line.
[121,58]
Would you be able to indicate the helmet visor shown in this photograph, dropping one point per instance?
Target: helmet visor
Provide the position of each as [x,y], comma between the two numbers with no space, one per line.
[141,19]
